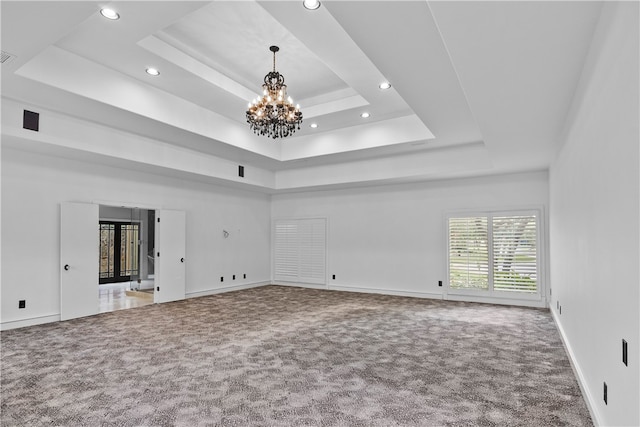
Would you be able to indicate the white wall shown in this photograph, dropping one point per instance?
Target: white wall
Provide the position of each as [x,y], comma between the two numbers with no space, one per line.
[594,197]
[34,185]
[393,238]
[60,132]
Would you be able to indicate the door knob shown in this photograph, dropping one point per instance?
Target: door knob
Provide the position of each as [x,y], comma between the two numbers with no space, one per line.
[66,266]
[181,259]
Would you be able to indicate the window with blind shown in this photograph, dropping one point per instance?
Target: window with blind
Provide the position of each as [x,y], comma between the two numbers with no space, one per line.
[494,252]
[300,250]
[468,253]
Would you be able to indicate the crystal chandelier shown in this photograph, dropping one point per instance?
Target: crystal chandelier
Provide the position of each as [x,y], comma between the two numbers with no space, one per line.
[274,115]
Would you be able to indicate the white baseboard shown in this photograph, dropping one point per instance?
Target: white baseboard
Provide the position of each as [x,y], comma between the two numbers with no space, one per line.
[13,324]
[414,294]
[225,289]
[299,285]
[541,303]
[586,393]
[361,289]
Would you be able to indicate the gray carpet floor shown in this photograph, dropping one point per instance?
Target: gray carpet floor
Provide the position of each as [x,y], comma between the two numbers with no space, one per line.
[283,356]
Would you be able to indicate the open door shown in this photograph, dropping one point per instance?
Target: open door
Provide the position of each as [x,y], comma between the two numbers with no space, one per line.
[78,260]
[170,256]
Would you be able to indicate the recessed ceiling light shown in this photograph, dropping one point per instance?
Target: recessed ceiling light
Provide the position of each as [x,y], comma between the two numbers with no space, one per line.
[364,115]
[152,71]
[384,85]
[311,4]
[110,14]
[313,125]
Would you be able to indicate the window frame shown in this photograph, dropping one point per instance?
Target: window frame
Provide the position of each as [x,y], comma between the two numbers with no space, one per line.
[300,279]
[492,294]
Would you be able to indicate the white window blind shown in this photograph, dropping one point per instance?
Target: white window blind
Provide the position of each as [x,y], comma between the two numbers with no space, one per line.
[506,242]
[300,250]
[515,266]
[468,253]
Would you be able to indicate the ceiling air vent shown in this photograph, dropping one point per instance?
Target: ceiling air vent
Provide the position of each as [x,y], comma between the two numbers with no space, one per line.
[6,57]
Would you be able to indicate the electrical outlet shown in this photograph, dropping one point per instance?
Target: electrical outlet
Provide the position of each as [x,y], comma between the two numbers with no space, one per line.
[234,277]
[604,394]
[439,282]
[222,279]
[624,352]
[244,276]
[22,303]
[333,277]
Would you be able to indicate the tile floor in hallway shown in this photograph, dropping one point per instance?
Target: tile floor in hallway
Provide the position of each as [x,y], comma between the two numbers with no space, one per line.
[113,297]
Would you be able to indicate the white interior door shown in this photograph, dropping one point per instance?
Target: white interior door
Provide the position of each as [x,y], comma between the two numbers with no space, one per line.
[79,257]
[170,256]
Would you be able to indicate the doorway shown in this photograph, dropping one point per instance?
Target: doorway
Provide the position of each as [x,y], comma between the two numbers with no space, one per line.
[163,277]
[126,266]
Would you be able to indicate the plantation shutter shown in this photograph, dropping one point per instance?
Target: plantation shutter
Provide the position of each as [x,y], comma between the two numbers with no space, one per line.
[286,251]
[514,253]
[468,253]
[300,250]
[494,251]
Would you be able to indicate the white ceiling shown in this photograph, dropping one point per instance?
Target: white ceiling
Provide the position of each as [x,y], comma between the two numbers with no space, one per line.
[477,87]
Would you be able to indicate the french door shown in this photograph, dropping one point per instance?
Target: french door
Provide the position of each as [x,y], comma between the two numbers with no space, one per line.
[119,251]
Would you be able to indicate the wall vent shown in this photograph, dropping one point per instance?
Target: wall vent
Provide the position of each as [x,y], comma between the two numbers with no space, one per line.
[31,120]
[6,57]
